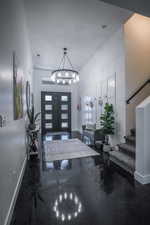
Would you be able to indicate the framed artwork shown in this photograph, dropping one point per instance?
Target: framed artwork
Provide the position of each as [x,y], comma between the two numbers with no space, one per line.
[17,89]
[104,94]
[112,90]
[107,92]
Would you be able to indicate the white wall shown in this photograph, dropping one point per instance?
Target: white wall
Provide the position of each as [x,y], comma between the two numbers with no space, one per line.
[142,172]
[137,45]
[14,37]
[38,75]
[127,54]
[107,61]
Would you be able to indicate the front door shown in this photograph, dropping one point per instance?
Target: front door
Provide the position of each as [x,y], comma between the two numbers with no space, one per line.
[55,112]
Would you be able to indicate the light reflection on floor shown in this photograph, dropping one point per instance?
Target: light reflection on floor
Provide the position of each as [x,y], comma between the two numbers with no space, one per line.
[53,136]
[48,138]
[59,165]
[65,137]
[73,202]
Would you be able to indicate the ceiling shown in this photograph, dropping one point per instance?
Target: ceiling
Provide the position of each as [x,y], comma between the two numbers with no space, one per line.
[138,6]
[75,24]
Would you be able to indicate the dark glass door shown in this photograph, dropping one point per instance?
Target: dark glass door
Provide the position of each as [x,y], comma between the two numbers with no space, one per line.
[55,112]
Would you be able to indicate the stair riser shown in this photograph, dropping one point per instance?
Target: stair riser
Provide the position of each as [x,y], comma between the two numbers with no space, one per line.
[130,142]
[126,151]
[123,165]
[133,132]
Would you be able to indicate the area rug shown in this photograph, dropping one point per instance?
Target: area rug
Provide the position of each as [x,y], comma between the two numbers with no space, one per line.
[66,149]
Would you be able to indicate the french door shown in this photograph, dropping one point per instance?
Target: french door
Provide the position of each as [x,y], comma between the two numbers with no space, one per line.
[55,112]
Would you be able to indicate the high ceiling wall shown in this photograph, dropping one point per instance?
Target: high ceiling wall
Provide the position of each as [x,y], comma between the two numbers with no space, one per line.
[137,46]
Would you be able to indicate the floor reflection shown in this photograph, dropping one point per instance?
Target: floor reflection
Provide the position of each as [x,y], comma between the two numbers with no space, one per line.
[67,206]
[77,192]
[35,182]
[59,165]
[57,136]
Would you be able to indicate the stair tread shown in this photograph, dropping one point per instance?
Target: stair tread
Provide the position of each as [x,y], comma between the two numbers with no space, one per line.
[124,158]
[127,147]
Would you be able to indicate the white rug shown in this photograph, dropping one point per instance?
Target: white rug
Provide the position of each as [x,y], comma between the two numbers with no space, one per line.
[66,149]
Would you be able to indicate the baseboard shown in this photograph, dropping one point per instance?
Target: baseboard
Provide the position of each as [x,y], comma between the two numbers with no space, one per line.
[143,179]
[14,198]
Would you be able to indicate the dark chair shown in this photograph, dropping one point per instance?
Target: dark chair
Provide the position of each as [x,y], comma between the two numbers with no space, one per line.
[93,134]
[99,140]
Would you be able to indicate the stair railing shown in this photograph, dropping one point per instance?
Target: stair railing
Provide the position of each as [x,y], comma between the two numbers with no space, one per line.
[137,91]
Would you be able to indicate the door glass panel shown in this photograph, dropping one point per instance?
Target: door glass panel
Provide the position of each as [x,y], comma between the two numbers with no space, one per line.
[64,98]
[48,125]
[48,116]
[64,125]
[64,116]
[64,107]
[48,107]
[48,98]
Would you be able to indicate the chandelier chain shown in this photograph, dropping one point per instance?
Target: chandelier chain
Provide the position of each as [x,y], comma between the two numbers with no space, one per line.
[69,61]
[61,62]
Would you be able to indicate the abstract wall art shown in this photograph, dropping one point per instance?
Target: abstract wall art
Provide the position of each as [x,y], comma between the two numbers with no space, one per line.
[17,89]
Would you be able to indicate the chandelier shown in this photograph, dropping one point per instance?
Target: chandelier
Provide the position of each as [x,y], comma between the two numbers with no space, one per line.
[64,75]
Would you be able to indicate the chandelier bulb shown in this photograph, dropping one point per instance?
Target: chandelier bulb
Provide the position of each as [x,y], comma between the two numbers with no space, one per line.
[59,74]
[67,74]
[77,78]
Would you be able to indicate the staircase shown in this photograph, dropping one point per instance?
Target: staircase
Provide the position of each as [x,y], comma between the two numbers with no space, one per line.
[125,155]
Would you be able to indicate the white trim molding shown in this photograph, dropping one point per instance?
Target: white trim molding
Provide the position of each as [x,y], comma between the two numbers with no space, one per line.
[142,173]
[143,179]
[15,195]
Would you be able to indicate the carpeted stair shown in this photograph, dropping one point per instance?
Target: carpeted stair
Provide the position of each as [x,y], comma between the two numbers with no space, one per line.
[125,155]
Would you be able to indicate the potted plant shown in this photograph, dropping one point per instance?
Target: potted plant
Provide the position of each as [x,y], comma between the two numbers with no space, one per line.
[32,117]
[107,121]
[32,131]
[30,109]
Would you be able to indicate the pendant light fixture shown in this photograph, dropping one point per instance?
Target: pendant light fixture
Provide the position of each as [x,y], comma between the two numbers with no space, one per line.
[65,75]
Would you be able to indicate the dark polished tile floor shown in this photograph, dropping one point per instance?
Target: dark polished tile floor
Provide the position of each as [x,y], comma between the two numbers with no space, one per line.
[83,191]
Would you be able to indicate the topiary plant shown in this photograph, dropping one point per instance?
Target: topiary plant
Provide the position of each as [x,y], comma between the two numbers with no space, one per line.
[107,121]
